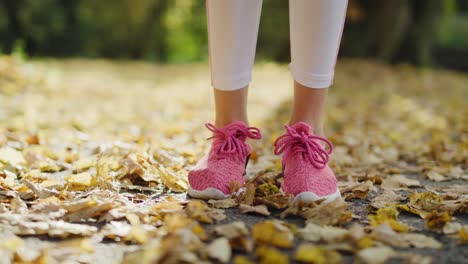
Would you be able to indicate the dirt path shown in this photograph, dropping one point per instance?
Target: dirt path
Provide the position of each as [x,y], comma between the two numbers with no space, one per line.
[94,154]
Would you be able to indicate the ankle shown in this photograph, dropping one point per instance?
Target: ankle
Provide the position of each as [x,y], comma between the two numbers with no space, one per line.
[223,122]
[317,127]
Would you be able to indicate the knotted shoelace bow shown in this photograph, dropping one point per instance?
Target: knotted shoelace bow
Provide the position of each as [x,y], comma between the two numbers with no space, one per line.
[301,142]
[231,138]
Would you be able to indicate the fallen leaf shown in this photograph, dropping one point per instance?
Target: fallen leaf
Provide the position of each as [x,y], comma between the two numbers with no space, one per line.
[332,213]
[249,194]
[315,233]
[225,203]
[435,176]
[463,234]
[11,156]
[273,232]
[277,201]
[398,182]
[309,253]
[231,230]
[258,209]
[80,181]
[388,215]
[239,259]
[40,191]
[269,255]
[352,190]
[436,219]
[375,255]
[386,198]
[421,241]
[220,250]
[385,234]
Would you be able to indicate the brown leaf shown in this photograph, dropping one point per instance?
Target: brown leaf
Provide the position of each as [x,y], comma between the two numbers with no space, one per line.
[386,198]
[351,190]
[249,194]
[225,203]
[399,182]
[436,219]
[277,201]
[332,213]
[258,209]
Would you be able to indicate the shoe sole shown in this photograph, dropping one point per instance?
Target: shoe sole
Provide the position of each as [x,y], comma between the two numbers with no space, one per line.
[207,194]
[309,197]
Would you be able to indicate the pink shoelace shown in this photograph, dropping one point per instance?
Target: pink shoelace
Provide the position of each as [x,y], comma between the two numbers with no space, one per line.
[231,138]
[294,142]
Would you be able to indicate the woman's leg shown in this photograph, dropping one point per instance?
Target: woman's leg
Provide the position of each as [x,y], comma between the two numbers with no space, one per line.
[315,27]
[232,36]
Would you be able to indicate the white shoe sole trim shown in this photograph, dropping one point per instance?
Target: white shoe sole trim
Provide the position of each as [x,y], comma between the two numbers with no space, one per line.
[309,197]
[207,194]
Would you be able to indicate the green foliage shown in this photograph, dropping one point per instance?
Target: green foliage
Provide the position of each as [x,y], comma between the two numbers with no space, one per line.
[175,30]
[18,50]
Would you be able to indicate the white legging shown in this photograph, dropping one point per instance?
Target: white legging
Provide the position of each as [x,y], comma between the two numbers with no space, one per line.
[315,33]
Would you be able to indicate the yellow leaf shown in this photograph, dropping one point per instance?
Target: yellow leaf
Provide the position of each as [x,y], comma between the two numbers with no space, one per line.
[309,253]
[388,215]
[239,259]
[436,220]
[274,233]
[80,181]
[463,234]
[269,255]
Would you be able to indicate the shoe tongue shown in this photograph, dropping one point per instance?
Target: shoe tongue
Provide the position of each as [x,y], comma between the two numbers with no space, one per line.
[302,127]
[234,127]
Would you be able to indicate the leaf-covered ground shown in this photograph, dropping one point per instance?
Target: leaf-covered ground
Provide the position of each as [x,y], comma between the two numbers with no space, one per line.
[94,157]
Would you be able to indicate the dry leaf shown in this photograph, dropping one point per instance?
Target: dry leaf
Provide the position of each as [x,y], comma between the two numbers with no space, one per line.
[421,241]
[269,255]
[12,157]
[463,234]
[388,215]
[352,190]
[231,230]
[225,203]
[258,209]
[399,182]
[220,250]
[375,255]
[309,253]
[332,213]
[385,234]
[386,198]
[273,232]
[437,220]
[315,233]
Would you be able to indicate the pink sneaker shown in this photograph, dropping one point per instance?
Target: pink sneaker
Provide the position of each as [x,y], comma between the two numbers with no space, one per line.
[226,162]
[306,173]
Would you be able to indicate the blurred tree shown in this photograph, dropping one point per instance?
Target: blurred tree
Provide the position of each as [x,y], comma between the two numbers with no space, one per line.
[175,30]
[393,30]
[13,27]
